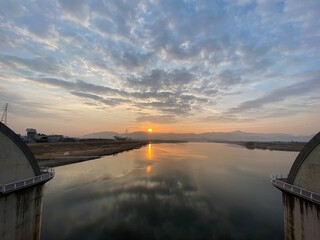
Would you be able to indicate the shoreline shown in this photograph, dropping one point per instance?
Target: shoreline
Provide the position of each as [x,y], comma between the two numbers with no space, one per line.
[63,153]
[272,146]
[56,162]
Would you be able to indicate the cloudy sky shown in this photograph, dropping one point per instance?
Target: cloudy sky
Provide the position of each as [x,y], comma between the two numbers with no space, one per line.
[78,66]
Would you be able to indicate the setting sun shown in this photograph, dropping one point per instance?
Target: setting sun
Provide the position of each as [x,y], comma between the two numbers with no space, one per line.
[149,130]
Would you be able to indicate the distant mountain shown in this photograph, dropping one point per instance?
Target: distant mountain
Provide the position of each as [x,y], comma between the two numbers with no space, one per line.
[210,136]
[107,135]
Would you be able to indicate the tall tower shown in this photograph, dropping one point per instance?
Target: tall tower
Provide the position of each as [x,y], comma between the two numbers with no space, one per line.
[301,194]
[21,188]
[4,118]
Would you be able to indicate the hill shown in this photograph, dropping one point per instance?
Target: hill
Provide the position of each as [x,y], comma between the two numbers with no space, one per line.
[210,136]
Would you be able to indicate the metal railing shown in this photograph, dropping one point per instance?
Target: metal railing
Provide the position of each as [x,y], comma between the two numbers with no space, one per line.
[46,175]
[278,180]
[46,170]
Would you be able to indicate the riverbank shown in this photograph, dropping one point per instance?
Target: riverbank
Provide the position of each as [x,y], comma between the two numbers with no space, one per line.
[276,146]
[62,153]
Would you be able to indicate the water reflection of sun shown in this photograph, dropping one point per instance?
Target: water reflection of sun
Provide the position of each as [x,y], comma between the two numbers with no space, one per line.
[148,168]
[149,154]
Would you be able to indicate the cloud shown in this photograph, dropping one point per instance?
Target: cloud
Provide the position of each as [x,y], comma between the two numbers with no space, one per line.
[108,101]
[159,79]
[12,8]
[116,17]
[33,23]
[131,59]
[228,78]
[164,102]
[44,35]
[226,118]
[76,10]
[77,85]
[172,57]
[161,119]
[47,65]
[171,106]
[172,103]
[8,41]
[278,95]
[21,106]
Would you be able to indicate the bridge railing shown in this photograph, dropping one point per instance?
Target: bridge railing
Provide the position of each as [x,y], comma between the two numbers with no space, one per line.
[278,180]
[46,175]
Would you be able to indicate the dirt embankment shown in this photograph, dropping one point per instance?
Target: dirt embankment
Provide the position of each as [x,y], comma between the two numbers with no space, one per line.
[61,153]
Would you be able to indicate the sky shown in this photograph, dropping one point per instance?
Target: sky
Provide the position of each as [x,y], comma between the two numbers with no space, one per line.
[74,67]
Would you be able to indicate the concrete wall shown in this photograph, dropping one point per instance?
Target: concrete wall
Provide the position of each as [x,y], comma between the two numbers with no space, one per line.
[15,165]
[20,214]
[301,218]
[308,175]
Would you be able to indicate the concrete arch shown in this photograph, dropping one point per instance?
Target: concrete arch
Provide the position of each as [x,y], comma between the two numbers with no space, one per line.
[305,171]
[14,152]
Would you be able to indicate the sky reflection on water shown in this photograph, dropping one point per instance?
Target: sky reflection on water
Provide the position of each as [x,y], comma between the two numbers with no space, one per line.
[168,191]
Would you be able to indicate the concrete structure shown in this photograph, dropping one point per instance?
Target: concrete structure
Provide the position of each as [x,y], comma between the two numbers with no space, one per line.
[31,132]
[301,194]
[34,137]
[54,138]
[21,188]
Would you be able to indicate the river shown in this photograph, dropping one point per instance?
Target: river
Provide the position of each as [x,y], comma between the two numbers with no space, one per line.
[168,191]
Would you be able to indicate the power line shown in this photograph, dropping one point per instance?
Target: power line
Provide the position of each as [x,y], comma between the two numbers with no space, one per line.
[4,118]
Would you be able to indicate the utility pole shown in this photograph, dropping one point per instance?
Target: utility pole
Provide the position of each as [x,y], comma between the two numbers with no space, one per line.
[4,118]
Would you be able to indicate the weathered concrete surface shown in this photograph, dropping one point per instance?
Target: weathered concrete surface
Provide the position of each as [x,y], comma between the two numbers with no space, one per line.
[20,214]
[301,218]
[308,175]
[14,163]
[20,210]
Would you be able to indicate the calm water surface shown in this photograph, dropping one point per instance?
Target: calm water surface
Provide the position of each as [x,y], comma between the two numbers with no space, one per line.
[168,191]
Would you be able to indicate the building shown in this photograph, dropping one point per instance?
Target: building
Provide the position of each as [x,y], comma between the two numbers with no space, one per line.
[301,194]
[34,137]
[31,132]
[21,188]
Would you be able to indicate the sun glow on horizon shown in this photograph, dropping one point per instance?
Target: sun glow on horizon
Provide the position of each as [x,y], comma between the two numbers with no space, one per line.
[150,130]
